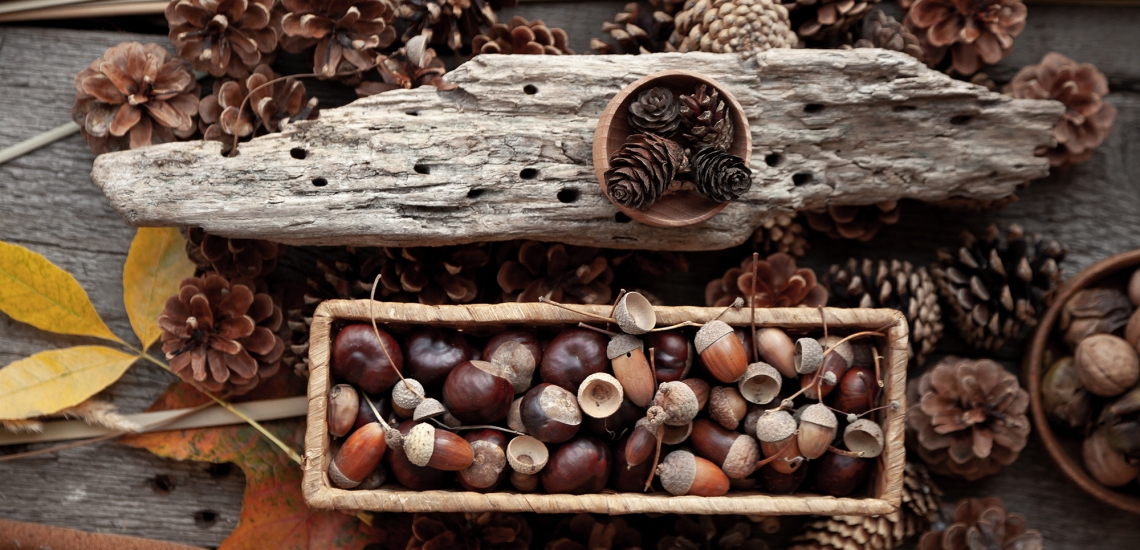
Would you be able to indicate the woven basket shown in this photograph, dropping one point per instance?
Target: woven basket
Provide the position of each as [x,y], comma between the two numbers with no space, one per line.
[885,485]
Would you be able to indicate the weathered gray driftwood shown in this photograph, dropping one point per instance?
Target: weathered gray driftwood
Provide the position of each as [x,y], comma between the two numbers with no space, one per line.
[509,154]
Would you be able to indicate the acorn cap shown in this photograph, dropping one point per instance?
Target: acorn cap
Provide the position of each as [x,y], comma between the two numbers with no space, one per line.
[845,350]
[634,314]
[818,413]
[406,397]
[429,408]
[675,435]
[727,406]
[527,455]
[772,427]
[677,472]
[864,436]
[809,355]
[340,480]
[741,459]
[761,383]
[623,344]
[419,444]
[712,331]
[678,401]
[599,395]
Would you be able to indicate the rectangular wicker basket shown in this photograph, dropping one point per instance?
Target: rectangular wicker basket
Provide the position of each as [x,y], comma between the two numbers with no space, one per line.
[884,489]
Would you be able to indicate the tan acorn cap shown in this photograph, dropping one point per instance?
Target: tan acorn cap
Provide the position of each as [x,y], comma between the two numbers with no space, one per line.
[634,314]
[429,408]
[677,472]
[761,383]
[623,344]
[405,397]
[712,331]
[864,436]
[741,459]
[773,427]
[527,455]
[818,413]
[808,356]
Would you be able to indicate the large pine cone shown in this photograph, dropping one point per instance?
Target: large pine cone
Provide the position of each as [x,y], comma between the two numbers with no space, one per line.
[967,418]
[522,37]
[780,232]
[712,533]
[586,532]
[993,288]
[412,66]
[347,34]
[655,112]
[883,31]
[248,258]
[860,223]
[529,270]
[642,170]
[229,37]
[1087,120]
[727,26]
[706,119]
[439,275]
[268,110]
[720,175]
[133,96]
[778,284]
[450,22]
[896,285]
[640,28]
[817,20]
[974,33]
[221,336]
[983,525]
[489,530]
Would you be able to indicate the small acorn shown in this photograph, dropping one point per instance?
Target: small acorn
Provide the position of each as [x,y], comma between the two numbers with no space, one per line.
[428,447]
[865,437]
[736,454]
[406,396]
[727,406]
[627,357]
[675,435]
[640,444]
[817,430]
[634,314]
[681,401]
[344,405]
[600,395]
[808,355]
[416,478]
[834,367]
[683,473]
[1107,465]
[721,352]
[625,478]
[358,457]
[760,383]
[489,467]
[550,413]
[777,434]
[777,349]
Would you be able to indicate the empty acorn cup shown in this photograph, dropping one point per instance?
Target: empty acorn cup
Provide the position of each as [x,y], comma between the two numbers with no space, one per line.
[527,455]
[865,437]
[634,314]
[600,395]
[761,383]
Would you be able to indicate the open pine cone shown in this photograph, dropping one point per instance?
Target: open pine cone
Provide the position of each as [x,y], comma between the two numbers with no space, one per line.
[435,275]
[967,417]
[993,287]
[520,36]
[883,31]
[562,273]
[221,336]
[713,533]
[135,95]
[229,37]
[1087,120]
[974,33]
[450,22]
[746,27]
[655,112]
[983,525]
[860,223]
[816,20]
[250,258]
[720,175]
[347,33]
[489,530]
[586,532]
[778,284]
[780,233]
[705,118]
[412,66]
[268,110]
[642,170]
[640,28]
[896,285]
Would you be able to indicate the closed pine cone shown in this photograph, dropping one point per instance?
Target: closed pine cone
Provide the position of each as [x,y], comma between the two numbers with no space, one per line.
[883,31]
[412,66]
[639,28]
[347,33]
[641,171]
[896,285]
[860,223]
[250,258]
[713,533]
[778,284]
[983,524]
[974,33]
[135,95]
[562,273]
[229,37]
[586,532]
[967,417]
[268,110]
[993,287]
[746,27]
[450,22]
[816,20]
[706,119]
[435,275]
[1087,120]
[489,530]
[522,37]
[656,111]
[720,175]
[221,336]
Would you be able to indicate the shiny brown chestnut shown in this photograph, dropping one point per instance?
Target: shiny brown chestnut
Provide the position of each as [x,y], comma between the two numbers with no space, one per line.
[640,444]
[358,457]
[515,362]
[721,352]
[360,359]
[734,453]
[856,391]
[431,353]
[624,478]
[615,424]
[364,414]
[524,337]
[838,475]
[344,405]
[775,481]
[439,449]
[683,473]
[580,466]
[416,478]
[550,413]
[475,395]
[672,354]
[489,468]
[572,356]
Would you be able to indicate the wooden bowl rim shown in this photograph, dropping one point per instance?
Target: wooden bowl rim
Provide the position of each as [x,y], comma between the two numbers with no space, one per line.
[605,122]
[1032,369]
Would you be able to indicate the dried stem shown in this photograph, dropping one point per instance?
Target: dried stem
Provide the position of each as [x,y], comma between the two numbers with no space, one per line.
[376,412]
[849,454]
[752,306]
[678,325]
[376,330]
[653,364]
[736,304]
[611,334]
[546,300]
[656,457]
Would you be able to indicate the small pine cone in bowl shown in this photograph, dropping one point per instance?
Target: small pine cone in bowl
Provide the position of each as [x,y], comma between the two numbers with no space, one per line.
[706,118]
[226,38]
[656,111]
[642,170]
[778,284]
[983,524]
[720,175]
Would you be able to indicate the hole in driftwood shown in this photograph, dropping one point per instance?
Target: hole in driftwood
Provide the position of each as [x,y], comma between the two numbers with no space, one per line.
[812,108]
[161,484]
[320,182]
[802,178]
[422,169]
[530,89]
[959,120]
[411,113]
[568,195]
[220,471]
[773,159]
[298,153]
[620,217]
[904,108]
[528,173]
[474,193]
[205,519]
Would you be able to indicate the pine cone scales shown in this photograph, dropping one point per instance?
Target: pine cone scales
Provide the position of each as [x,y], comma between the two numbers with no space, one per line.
[450,22]
[522,37]
[346,33]
[249,258]
[713,533]
[816,19]
[655,112]
[706,118]
[529,270]
[268,110]
[642,169]
[883,31]
[585,532]
[727,26]
[412,66]
[227,37]
[983,525]
[778,284]
[973,32]
[1087,120]
[638,30]
[859,223]
[489,530]
[434,275]
[721,176]
[967,418]
[133,96]
[221,336]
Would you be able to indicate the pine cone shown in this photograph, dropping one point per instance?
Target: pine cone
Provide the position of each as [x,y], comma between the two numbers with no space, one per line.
[967,418]
[412,66]
[655,112]
[712,533]
[817,20]
[522,37]
[221,336]
[450,22]
[778,284]
[983,525]
[640,29]
[706,120]
[1087,121]
[896,285]
[135,95]
[346,34]
[268,110]
[437,275]
[860,223]
[721,176]
[993,288]
[251,258]
[883,31]
[585,532]
[726,26]
[223,38]
[562,273]
[973,32]
[489,530]
[642,169]
[780,233]
[653,262]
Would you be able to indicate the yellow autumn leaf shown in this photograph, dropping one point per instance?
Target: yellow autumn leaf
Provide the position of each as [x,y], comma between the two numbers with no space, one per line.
[55,379]
[155,265]
[37,292]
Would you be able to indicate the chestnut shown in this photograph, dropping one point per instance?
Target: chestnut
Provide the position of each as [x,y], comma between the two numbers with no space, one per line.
[550,413]
[363,361]
[631,368]
[856,391]
[439,449]
[580,466]
[640,444]
[615,424]
[344,405]
[416,478]
[364,414]
[430,353]
[474,394]
[625,478]
[524,337]
[721,351]
[672,354]
[776,349]
[572,356]
[817,430]
[775,481]
[838,475]
[683,473]
[727,406]
[515,363]
[734,453]
[358,457]
[489,467]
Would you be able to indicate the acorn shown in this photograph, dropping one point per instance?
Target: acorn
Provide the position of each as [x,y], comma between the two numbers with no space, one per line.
[817,430]
[856,391]
[439,449]
[640,445]
[625,478]
[344,405]
[634,314]
[808,355]
[406,396]
[515,362]
[579,466]
[374,480]
[550,413]
[416,478]
[736,454]
[777,349]
[358,456]
[722,353]
[1107,365]
[865,437]
[777,434]
[681,401]
[489,467]
[760,383]
[600,395]
[627,357]
[1107,465]
[834,366]
[475,393]
[727,406]
[675,435]
[683,473]
[838,475]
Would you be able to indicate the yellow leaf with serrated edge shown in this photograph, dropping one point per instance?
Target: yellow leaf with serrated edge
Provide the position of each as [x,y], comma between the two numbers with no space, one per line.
[156,264]
[55,379]
[37,292]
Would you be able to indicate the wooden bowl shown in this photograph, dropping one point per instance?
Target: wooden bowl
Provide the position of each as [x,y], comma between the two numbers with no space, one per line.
[1033,370]
[684,207]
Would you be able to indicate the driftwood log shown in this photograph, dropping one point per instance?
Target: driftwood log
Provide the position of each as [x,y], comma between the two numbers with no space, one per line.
[508,155]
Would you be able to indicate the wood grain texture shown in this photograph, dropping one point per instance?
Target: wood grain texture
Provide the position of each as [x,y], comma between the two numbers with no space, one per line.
[488,161]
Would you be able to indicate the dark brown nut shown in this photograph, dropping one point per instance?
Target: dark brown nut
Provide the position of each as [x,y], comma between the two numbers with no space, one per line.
[550,413]
[580,466]
[1063,396]
[361,360]
[572,356]
[475,393]
[733,452]
[440,449]
[344,405]
[839,475]
[431,353]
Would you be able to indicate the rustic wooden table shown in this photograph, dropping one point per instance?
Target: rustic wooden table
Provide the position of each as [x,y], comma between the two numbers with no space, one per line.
[50,205]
